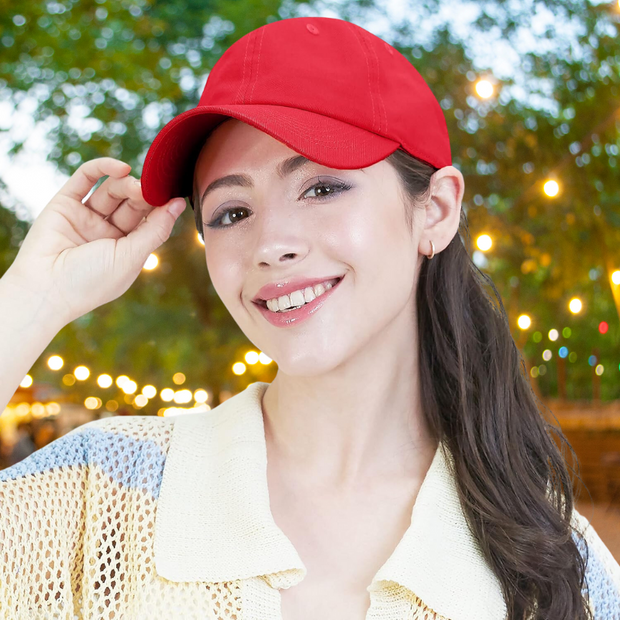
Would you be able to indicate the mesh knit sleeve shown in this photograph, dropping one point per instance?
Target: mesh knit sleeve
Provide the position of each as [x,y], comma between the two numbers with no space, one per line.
[602,572]
[41,529]
[76,522]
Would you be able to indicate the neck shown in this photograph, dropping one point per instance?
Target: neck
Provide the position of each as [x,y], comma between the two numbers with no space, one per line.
[354,426]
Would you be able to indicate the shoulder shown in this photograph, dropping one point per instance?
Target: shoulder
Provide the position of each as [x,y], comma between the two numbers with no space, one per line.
[136,429]
[118,445]
[602,569]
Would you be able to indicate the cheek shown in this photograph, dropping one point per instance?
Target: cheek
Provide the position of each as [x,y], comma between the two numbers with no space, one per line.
[225,272]
[377,244]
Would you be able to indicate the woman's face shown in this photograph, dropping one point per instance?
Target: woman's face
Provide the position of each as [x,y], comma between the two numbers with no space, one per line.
[282,228]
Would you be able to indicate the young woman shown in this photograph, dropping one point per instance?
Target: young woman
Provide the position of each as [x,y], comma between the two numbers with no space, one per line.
[397,467]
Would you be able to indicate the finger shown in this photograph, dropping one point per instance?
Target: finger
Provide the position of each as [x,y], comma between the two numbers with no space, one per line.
[120,202]
[152,231]
[87,175]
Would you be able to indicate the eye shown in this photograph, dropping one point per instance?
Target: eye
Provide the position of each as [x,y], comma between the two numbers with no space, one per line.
[334,187]
[228,213]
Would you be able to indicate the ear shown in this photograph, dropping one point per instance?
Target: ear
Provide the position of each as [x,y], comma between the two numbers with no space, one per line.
[443,209]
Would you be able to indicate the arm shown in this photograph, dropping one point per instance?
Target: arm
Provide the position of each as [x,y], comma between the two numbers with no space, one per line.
[78,255]
[28,324]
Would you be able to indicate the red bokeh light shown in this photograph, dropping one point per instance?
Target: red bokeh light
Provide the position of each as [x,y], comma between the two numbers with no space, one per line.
[603,327]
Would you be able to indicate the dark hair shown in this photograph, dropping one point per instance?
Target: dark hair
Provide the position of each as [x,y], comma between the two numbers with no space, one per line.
[513,483]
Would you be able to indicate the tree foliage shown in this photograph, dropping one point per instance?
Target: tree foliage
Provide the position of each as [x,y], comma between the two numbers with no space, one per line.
[107,74]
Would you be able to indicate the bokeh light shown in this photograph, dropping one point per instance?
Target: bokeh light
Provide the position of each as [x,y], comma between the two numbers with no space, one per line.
[484,88]
[55,362]
[26,382]
[524,321]
[81,373]
[104,381]
[484,242]
[551,188]
[151,262]
[575,305]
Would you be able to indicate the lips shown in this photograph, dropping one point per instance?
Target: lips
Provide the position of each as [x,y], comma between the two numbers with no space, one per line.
[292,318]
[285,287]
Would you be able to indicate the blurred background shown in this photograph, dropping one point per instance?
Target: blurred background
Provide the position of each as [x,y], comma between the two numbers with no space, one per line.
[530,91]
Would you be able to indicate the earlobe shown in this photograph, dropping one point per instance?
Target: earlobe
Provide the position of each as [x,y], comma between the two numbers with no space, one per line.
[444,208]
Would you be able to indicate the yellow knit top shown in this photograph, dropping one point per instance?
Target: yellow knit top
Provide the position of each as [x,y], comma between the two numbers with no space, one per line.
[148,518]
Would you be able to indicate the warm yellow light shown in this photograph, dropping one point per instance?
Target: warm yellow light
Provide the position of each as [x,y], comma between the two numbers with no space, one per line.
[484,88]
[81,373]
[484,242]
[178,378]
[182,396]
[104,381]
[22,409]
[553,334]
[92,402]
[37,410]
[111,405]
[151,262]
[524,321]
[120,381]
[55,362]
[201,396]
[68,379]
[199,238]
[172,411]
[599,369]
[129,387]
[140,400]
[615,276]
[239,368]
[574,305]
[26,382]
[149,391]
[551,188]
[263,359]
[251,357]
[166,395]
[52,408]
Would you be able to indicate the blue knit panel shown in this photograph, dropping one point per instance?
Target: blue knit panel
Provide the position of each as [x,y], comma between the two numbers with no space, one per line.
[134,463]
[604,593]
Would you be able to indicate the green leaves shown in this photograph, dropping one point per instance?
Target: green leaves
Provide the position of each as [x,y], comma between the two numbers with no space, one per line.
[108,74]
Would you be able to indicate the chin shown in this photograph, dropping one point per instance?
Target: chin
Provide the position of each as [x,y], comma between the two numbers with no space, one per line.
[311,364]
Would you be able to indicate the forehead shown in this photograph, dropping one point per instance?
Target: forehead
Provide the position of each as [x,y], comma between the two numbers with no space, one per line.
[236,148]
[239,146]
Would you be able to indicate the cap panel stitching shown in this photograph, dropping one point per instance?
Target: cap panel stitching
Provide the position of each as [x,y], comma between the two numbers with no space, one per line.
[378,72]
[372,99]
[245,58]
[260,47]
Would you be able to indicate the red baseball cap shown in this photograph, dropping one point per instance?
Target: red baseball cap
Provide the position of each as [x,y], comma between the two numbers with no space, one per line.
[328,89]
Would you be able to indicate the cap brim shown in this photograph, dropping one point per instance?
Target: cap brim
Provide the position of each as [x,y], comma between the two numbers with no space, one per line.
[169,165]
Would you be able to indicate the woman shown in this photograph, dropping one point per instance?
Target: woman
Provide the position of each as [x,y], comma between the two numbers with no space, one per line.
[396,467]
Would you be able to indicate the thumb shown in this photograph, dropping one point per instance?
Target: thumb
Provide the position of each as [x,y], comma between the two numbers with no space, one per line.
[155,229]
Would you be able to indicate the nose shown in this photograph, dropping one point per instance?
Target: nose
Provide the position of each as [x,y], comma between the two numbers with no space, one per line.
[281,240]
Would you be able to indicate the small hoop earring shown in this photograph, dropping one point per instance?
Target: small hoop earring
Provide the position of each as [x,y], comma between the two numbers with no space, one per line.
[432,251]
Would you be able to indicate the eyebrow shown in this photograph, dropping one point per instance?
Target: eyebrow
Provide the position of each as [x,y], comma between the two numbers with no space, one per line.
[284,168]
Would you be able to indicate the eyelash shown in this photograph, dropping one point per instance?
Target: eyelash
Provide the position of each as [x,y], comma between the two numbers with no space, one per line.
[338,186]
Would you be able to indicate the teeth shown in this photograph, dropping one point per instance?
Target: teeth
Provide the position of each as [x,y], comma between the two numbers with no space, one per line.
[286,303]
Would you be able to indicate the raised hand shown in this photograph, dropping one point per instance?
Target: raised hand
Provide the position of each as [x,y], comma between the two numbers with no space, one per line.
[80,255]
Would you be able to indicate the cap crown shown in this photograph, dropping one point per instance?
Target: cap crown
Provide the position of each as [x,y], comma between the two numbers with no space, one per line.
[333,67]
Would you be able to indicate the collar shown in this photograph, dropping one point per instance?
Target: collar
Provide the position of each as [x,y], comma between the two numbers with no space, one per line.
[214,523]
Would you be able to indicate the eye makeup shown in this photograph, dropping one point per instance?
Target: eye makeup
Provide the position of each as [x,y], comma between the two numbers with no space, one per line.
[335,187]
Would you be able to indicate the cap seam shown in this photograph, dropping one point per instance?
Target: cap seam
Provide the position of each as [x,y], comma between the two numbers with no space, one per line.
[378,73]
[372,98]
[260,47]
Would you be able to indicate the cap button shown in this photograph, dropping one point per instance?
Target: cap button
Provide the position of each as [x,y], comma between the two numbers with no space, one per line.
[312,28]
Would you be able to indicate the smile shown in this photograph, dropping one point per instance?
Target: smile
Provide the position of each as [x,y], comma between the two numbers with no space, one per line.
[299,305]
